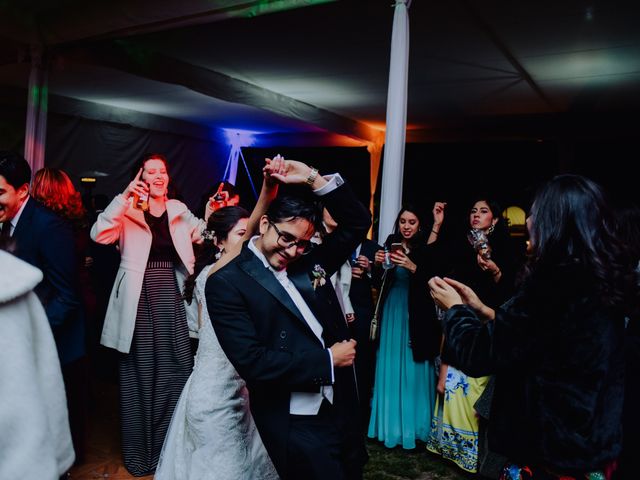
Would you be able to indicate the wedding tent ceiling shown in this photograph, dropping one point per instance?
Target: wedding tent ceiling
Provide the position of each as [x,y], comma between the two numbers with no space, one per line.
[311,68]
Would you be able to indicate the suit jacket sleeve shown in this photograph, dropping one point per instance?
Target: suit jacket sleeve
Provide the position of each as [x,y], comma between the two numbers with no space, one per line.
[59,264]
[108,225]
[197,225]
[252,358]
[353,221]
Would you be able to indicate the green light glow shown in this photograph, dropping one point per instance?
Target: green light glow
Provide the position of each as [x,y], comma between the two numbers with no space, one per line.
[264,7]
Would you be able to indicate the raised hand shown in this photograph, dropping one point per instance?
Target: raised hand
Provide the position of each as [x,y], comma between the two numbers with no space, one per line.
[136,187]
[297,173]
[219,199]
[438,213]
[273,167]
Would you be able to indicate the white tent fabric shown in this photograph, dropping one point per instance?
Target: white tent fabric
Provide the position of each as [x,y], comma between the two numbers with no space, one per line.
[393,165]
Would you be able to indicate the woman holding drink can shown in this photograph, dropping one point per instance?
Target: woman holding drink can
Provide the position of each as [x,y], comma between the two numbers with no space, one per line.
[146,318]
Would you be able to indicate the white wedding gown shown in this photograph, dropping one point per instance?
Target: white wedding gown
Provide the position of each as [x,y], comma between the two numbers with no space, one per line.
[212,433]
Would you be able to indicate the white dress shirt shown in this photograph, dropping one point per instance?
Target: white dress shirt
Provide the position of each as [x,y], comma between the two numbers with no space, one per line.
[300,403]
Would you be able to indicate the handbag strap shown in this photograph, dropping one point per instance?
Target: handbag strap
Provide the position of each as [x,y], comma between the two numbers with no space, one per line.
[379,300]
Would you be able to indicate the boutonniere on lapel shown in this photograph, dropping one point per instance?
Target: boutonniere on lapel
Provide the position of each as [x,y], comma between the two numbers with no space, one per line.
[319,276]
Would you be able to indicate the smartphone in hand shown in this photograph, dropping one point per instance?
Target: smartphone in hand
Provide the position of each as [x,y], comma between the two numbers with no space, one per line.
[396,247]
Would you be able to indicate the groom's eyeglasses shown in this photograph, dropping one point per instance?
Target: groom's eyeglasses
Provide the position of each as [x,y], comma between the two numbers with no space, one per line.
[286,240]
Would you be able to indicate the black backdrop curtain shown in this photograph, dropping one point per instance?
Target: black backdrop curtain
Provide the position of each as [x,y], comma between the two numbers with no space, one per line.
[511,172]
[353,163]
[78,145]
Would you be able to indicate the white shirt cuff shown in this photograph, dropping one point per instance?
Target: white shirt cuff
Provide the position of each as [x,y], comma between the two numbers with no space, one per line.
[333,181]
[333,378]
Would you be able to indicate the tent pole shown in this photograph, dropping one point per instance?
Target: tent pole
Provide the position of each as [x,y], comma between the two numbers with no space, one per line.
[396,122]
[36,127]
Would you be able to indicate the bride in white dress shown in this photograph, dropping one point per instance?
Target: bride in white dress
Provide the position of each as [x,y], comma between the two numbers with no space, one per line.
[212,433]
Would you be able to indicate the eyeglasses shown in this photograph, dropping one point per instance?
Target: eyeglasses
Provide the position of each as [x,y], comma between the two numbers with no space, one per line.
[286,240]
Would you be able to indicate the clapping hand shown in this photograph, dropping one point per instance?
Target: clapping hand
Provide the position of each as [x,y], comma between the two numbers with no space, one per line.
[443,294]
[448,292]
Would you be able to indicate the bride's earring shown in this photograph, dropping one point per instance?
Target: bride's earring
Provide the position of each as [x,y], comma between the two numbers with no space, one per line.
[491,229]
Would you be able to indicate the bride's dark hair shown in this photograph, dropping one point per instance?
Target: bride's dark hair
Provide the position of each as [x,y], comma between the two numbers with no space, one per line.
[220,223]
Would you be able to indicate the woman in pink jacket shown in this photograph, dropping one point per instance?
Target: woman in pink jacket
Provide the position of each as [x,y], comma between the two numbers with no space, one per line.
[146,318]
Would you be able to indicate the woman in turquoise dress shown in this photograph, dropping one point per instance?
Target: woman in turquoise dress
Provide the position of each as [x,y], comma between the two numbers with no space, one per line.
[404,390]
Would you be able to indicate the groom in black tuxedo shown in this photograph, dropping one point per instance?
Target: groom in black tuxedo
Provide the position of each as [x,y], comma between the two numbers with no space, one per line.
[279,322]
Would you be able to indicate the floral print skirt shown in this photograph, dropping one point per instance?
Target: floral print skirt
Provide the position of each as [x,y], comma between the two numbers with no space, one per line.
[454,425]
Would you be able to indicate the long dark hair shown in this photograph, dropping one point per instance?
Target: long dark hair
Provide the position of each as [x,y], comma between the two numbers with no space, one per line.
[500,230]
[419,238]
[573,225]
[220,223]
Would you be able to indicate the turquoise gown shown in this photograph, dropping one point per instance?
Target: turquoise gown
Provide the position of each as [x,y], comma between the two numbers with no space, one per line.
[404,391]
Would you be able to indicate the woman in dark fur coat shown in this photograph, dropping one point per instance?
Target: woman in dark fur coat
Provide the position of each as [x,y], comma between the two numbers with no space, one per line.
[556,348]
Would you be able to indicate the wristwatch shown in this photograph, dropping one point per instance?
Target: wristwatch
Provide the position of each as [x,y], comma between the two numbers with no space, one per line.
[312,176]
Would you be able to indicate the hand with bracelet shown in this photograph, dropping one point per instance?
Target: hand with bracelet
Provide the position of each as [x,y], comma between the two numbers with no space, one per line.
[298,172]
[438,218]
[489,266]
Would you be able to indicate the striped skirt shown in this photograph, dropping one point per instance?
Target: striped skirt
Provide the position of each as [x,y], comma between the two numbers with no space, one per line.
[155,370]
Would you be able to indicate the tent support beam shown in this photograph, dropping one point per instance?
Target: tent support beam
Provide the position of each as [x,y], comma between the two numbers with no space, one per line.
[138,61]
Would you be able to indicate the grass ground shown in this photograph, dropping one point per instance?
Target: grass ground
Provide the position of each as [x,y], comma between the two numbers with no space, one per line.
[418,464]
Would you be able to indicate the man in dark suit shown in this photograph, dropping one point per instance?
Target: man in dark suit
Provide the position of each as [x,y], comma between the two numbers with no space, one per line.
[279,321]
[46,241]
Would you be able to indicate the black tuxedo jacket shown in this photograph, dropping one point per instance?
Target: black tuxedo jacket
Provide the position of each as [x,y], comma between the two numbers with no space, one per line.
[266,337]
[46,241]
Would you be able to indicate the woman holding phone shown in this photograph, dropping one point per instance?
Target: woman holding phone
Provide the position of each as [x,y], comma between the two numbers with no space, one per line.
[146,317]
[404,389]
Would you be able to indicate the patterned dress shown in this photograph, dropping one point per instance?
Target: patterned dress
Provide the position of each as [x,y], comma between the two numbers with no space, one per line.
[454,427]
